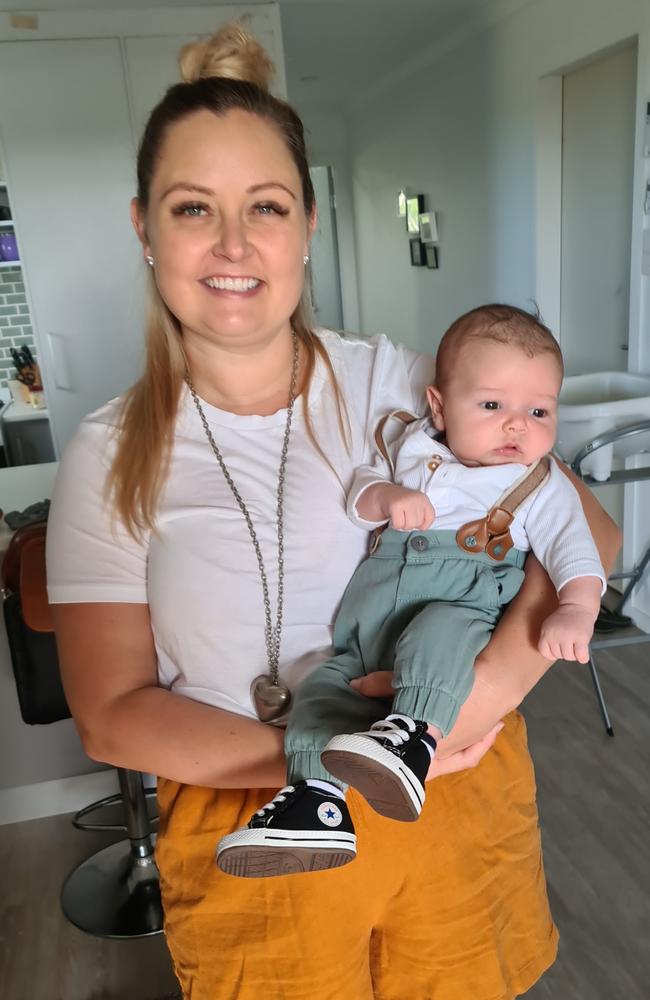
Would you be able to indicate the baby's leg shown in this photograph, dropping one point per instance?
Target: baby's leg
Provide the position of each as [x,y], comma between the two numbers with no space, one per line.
[307,826]
[434,661]
[433,674]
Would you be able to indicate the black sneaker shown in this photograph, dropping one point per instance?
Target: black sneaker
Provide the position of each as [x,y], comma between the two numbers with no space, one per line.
[388,764]
[302,830]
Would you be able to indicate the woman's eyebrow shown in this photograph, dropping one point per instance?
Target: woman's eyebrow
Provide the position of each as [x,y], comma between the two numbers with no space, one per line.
[186,186]
[270,184]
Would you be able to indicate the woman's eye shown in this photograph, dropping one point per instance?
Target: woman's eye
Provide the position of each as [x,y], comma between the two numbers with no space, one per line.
[270,208]
[193,209]
[538,412]
[491,404]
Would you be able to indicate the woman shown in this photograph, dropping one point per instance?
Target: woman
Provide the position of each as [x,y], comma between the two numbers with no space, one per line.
[200,588]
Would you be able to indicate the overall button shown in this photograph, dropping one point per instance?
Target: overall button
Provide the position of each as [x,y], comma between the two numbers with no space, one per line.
[419,543]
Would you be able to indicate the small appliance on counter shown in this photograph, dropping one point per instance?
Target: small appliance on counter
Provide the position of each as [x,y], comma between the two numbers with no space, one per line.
[8,246]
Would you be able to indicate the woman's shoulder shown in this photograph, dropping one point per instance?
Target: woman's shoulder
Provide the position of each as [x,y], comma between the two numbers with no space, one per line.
[394,372]
[354,347]
[97,432]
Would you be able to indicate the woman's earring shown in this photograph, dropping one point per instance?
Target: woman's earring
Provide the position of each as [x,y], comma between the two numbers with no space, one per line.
[149,260]
[305,259]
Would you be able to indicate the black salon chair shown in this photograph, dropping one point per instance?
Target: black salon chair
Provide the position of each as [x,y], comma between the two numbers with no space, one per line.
[116,892]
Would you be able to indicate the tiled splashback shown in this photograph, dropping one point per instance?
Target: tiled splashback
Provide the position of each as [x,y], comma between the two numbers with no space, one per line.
[15,322]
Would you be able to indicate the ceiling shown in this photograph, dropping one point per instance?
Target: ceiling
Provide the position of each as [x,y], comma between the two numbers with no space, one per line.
[337,49]
[334,49]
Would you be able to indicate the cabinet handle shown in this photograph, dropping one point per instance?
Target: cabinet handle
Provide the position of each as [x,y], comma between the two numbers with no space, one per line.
[60,366]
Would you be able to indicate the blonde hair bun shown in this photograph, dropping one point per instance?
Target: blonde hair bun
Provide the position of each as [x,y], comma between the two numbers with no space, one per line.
[231,53]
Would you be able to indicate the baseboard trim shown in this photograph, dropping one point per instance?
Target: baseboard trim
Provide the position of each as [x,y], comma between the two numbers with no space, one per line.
[51,798]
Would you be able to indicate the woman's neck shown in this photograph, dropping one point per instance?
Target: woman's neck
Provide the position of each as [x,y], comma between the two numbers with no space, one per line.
[246,383]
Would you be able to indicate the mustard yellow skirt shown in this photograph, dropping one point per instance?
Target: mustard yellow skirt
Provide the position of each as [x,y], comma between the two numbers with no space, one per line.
[452,907]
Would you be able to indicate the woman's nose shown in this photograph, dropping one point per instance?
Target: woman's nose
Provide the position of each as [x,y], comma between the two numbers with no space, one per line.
[231,240]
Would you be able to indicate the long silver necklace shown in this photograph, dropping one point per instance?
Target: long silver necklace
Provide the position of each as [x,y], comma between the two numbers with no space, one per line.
[270,696]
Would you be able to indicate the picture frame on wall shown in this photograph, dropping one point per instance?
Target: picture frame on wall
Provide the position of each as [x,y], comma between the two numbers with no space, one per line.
[401,204]
[414,208]
[431,255]
[417,252]
[428,227]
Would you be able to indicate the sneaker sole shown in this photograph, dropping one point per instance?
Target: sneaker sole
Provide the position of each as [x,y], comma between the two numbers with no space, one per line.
[385,782]
[260,854]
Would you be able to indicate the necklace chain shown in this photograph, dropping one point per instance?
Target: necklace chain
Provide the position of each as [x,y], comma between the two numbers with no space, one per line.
[271,632]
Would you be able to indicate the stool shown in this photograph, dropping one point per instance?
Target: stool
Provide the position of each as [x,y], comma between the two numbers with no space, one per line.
[116,892]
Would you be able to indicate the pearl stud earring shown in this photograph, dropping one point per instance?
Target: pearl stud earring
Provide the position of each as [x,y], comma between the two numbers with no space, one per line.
[149,260]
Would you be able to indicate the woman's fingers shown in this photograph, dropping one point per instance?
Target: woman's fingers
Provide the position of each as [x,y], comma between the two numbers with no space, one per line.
[376,685]
[463,759]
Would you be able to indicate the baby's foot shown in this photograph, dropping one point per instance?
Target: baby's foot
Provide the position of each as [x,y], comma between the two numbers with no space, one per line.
[388,764]
[303,829]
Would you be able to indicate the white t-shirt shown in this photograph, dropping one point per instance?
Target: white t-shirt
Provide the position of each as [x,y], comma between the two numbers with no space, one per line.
[199,573]
[551,521]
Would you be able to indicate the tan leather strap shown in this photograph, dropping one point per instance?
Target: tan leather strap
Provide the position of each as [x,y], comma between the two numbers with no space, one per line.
[491,533]
[405,416]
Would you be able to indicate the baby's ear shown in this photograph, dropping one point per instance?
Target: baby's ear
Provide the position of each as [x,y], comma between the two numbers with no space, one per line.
[434,399]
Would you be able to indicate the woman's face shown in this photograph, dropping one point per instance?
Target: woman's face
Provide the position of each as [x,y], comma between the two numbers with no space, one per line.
[227,229]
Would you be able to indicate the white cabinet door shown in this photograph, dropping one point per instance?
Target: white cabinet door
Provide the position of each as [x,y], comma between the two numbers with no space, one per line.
[152,66]
[69,154]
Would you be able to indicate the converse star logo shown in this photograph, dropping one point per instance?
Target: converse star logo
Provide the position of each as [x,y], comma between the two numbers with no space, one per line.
[329,814]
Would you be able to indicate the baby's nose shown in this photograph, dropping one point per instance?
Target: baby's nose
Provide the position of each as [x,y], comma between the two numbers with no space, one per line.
[516,422]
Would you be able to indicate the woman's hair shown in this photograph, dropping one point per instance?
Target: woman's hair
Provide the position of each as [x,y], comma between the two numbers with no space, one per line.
[230,71]
[503,324]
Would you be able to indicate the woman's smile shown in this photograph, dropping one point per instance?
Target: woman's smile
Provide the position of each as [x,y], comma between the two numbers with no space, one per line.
[230,284]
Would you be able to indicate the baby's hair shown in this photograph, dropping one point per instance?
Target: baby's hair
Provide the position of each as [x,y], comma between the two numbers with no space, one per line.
[504,324]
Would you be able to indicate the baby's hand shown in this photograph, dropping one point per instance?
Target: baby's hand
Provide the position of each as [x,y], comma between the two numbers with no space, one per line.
[565,635]
[409,510]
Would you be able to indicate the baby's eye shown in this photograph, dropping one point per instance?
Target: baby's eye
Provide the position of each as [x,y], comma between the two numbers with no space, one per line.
[192,209]
[491,404]
[538,412]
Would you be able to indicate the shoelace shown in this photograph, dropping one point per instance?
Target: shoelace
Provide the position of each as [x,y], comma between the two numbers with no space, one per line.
[280,797]
[390,731]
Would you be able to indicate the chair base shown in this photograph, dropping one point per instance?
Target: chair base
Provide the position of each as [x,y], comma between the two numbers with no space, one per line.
[114,894]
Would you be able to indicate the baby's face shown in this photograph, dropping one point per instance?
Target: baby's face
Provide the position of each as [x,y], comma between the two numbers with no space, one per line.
[499,406]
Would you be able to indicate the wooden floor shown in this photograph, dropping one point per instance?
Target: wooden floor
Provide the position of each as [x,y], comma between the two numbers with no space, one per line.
[595,810]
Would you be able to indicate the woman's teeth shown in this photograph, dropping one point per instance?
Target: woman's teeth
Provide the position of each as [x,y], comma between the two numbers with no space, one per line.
[232,284]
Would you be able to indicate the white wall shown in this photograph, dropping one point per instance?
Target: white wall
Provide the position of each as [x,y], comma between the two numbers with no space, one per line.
[462,131]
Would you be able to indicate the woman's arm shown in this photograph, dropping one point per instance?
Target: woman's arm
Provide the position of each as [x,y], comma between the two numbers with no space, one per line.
[511,665]
[108,666]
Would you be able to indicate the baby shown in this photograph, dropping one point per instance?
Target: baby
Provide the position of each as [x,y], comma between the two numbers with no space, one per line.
[463,495]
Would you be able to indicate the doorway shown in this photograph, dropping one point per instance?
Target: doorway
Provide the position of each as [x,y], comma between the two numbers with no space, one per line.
[598,120]
[325,272]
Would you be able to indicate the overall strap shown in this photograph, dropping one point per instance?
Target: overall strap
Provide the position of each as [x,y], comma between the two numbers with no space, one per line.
[491,533]
[406,418]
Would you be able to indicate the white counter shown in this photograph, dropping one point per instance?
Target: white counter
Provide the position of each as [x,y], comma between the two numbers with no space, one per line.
[21,486]
[20,410]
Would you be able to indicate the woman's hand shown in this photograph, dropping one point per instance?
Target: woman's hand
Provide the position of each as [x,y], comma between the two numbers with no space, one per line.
[380,685]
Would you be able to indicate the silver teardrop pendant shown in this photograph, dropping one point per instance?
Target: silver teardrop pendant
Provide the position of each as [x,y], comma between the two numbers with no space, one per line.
[270,700]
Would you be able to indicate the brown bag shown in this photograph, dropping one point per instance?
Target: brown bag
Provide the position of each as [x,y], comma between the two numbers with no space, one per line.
[30,629]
